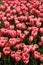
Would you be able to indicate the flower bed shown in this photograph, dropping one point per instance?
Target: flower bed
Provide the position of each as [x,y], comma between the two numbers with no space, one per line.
[21,32]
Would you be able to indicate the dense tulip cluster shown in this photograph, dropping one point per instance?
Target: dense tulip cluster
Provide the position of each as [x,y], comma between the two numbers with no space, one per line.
[21,26]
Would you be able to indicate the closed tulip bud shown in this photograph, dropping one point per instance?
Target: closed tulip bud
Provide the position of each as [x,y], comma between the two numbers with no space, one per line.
[30,38]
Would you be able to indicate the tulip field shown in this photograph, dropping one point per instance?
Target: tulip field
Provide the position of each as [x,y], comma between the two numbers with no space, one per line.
[21,32]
